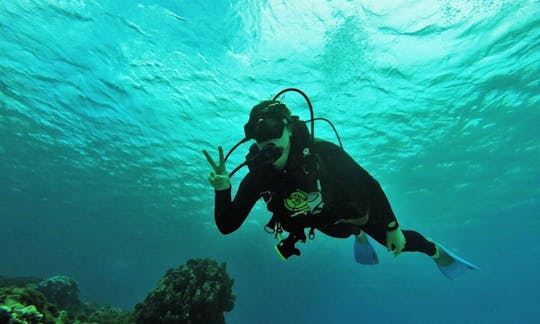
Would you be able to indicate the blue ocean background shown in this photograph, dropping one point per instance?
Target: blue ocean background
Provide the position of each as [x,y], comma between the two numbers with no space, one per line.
[105,107]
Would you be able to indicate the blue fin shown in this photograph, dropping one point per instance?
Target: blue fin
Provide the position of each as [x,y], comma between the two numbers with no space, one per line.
[457,268]
[364,253]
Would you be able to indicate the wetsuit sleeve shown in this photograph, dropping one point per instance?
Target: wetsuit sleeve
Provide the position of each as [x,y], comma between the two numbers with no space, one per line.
[229,215]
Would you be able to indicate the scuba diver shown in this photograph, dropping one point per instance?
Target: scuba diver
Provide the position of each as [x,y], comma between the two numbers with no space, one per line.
[312,184]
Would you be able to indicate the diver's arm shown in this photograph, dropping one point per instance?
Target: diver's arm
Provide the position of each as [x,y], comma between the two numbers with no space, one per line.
[229,215]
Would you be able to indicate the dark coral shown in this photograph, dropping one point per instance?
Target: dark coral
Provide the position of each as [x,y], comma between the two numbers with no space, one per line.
[18,281]
[105,315]
[26,305]
[29,300]
[62,291]
[198,292]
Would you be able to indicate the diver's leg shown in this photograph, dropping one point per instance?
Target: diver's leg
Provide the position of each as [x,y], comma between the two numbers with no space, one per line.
[414,241]
[417,242]
[440,256]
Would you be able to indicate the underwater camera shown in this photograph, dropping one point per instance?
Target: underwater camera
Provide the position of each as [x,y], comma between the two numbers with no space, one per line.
[285,248]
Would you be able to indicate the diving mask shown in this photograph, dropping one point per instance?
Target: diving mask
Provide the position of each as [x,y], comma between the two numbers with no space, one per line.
[265,128]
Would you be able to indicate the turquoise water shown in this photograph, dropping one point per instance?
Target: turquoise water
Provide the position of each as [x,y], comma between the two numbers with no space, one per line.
[106,106]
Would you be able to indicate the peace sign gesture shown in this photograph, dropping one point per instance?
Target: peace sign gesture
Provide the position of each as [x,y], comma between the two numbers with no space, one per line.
[218,177]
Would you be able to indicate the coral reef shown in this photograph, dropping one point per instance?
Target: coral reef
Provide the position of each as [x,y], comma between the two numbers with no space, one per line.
[18,281]
[62,291]
[25,305]
[28,305]
[104,315]
[197,292]
[19,314]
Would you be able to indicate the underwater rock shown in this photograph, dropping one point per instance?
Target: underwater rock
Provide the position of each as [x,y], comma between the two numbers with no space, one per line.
[20,314]
[198,292]
[105,315]
[25,305]
[18,281]
[62,291]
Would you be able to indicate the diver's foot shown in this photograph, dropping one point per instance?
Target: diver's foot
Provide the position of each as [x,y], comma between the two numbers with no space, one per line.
[442,258]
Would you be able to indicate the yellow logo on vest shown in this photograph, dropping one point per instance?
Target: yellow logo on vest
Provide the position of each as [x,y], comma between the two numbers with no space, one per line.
[297,202]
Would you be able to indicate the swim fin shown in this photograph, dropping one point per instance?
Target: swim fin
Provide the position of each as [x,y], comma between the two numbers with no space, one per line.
[364,253]
[457,265]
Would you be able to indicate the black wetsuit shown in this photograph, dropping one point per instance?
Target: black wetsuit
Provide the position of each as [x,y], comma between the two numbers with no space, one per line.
[348,191]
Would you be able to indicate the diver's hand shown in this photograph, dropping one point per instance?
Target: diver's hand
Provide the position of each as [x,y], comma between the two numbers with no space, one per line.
[218,177]
[395,241]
